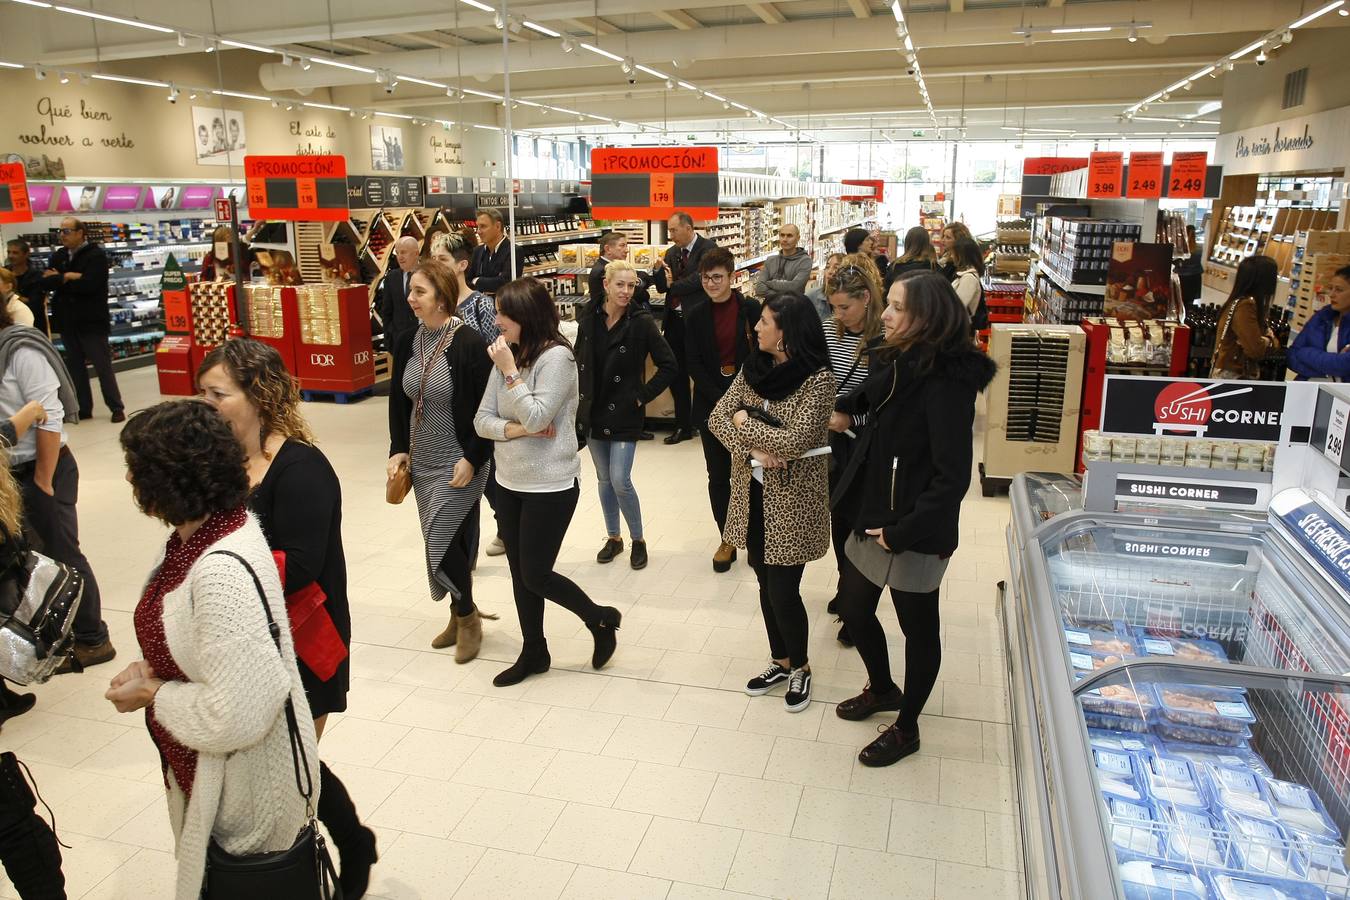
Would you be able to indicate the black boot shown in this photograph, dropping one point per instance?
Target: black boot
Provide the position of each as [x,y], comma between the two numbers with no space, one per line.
[13,704]
[27,846]
[533,660]
[355,842]
[605,639]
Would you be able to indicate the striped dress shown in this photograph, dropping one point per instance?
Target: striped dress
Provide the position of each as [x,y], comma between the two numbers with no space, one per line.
[850,370]
[435,450]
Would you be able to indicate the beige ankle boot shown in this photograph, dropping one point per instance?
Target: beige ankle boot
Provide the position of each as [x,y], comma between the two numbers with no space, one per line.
[470,636]
[447,637]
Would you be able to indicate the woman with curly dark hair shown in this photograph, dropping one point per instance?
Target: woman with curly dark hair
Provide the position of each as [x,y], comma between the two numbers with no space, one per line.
[530,410]
[214,681]
[911,469]
[297,498]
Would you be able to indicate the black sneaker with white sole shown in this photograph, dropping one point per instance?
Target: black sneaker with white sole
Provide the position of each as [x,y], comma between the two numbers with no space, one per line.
[798,695]
[767,680]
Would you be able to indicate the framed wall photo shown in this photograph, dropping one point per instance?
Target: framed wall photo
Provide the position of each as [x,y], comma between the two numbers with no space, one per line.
[218,136]
[386,148]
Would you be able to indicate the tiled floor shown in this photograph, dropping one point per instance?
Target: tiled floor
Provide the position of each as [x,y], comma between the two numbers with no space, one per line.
[656,778]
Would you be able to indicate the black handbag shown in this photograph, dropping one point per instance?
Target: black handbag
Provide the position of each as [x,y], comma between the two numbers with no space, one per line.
[303,872]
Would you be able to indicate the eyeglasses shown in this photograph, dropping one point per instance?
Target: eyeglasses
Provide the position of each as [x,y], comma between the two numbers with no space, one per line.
[67,230]
[714,279]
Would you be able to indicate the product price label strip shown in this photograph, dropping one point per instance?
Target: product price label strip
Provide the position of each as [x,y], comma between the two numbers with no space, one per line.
[14,207]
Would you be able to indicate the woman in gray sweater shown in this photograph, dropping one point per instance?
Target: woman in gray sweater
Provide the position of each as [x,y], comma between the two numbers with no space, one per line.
[529,409]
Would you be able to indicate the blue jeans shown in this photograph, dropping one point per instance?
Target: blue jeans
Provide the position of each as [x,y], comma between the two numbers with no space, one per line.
[614,469]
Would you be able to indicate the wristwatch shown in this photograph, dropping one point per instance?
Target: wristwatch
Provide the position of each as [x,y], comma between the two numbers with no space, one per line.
[512,380]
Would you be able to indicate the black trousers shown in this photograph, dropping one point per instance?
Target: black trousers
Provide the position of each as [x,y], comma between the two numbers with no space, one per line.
[919,620]
[780,591]
[54,521]
[842,514]
[717,460]
[679,387]
[532,528]
[90,347]
[28,848]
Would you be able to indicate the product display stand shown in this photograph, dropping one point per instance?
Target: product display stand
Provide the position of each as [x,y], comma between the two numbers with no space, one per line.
[334,352]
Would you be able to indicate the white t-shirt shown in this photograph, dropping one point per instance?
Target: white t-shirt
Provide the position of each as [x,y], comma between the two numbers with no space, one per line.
[967,285]
[30,376]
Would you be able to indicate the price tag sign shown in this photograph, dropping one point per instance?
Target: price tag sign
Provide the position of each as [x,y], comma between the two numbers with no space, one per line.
[1146,174]
[14,206]
[297,188]
[1188,175]
[176,316]
[1334,446]
[652,182]
[222,209]
[1106,174]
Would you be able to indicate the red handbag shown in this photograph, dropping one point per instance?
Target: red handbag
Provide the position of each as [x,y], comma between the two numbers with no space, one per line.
[316,638]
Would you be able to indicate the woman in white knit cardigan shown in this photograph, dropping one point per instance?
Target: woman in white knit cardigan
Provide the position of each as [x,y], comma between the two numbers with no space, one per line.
[212,683]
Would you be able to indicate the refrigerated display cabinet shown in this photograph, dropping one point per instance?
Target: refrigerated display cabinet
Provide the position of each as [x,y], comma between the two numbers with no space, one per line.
[1180,701]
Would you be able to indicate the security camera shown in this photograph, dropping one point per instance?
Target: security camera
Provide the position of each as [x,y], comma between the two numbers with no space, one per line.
[909,71]
[391,87]
[1261,58]
[632,79]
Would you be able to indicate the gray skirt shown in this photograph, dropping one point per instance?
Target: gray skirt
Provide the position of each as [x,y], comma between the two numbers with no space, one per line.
[917,573]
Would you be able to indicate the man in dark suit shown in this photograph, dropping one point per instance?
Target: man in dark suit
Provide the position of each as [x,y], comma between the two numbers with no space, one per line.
[682,259]
[719,334]
[18,256]
[614,245]
[77,277]
[395,312]
[490,267]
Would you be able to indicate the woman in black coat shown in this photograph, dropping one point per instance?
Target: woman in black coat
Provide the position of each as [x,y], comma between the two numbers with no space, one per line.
[298,501]
[914,464]
[614,339]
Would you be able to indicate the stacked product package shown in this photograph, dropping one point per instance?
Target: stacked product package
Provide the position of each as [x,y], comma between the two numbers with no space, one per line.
[1195,811]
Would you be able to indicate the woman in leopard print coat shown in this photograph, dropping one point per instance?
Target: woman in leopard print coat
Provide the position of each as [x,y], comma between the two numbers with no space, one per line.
[775,413]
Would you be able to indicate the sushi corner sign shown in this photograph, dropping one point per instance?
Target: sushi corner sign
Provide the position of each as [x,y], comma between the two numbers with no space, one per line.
[1305,143]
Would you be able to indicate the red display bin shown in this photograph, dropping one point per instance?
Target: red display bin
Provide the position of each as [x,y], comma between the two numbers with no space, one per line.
[1097,367]
[334,352]
[173,359]
[274,320]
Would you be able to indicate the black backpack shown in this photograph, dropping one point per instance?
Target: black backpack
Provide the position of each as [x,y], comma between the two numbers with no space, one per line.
[980,319]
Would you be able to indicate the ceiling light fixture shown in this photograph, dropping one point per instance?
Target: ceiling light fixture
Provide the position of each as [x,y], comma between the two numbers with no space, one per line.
[182,39]
[239,45]
[1318,13]
[670,84]
[535,26]
[605,53]
[286,59]
[568,44]
[627,65]
[342,65]
[65,78]
[1133,36]
[173,94]
[116,20]
[238,95]
[1087,29]
[305,64]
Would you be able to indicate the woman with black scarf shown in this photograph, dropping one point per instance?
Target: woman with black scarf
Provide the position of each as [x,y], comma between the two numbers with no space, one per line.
[774,421]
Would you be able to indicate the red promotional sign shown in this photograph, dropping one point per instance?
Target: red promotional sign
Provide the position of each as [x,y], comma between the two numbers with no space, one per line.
[1106,174]
[1188,175]
[297,188]
[1146,174]
[877,184]
[1052,165]
[14,207]
[222,209]
[653,182]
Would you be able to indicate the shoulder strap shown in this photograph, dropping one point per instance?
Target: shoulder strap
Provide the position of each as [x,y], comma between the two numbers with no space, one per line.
[426,373]
[303,783]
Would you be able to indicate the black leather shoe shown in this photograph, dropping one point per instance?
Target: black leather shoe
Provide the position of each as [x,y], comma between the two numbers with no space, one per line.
[843,636]
[679,434]
[646,436]
[530,662]
[613,547]
[893,746]
[605,638]
[638,558]
[14,704]
[855,709]
[119,416]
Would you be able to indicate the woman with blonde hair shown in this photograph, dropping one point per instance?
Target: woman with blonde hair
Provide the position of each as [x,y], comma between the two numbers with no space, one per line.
[297,499]
[614,339]
[857,301]
[12,300]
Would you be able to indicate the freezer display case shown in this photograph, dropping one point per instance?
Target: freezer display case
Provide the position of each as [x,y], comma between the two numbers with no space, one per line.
[1180,700]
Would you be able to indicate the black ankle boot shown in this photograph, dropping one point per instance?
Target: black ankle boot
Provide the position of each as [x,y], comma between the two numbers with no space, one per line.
[533,660]
[605,639]
[13,704]
[28,847]
[355,842]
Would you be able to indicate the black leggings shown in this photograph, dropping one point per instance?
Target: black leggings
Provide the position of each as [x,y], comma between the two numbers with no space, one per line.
[457,563]
[780,591]
[532,527]
[858,599]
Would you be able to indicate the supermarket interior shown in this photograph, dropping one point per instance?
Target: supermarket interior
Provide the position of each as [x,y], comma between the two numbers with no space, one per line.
[1144,638]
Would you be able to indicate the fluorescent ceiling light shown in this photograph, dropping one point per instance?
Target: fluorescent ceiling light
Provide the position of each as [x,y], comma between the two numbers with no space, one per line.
[1212,106]
[897,11]
[237,95]
[1255,45]
[1316,14]
[242,46]
[650,71]
[486,127]
[687,86]
[1178,86]
[116,20]
[341,65]
[1202,73]
[486,94]
[909,43]
[393,115]
[1081,29]
[327,106]
[535,26]
[711,96]
[10,65]
[604,53]
[125,80]
[423,81]
[37,3]
[476,5]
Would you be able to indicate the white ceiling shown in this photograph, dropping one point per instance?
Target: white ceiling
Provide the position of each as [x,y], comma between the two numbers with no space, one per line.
[834,68]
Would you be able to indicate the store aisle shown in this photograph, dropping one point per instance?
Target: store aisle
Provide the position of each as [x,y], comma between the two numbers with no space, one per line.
[656,778]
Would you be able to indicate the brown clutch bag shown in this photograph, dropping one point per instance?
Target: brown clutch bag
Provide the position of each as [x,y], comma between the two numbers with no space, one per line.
[398,485]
